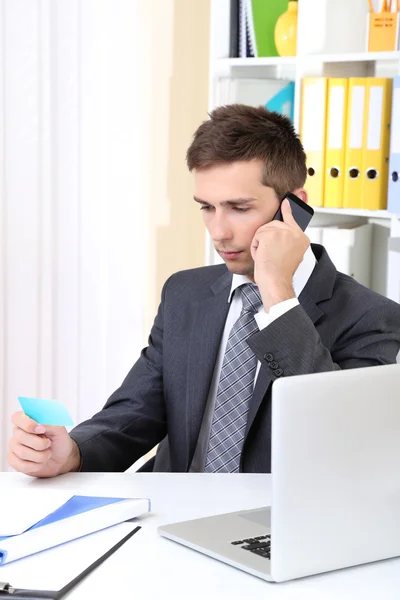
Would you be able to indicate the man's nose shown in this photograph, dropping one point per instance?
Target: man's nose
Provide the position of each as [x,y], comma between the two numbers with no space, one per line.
[220,229]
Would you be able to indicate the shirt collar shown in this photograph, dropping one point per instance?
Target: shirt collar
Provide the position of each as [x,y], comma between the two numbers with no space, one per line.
[300,278]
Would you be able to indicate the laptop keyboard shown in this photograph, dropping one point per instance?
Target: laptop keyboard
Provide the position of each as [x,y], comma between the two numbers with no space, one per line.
[260,545]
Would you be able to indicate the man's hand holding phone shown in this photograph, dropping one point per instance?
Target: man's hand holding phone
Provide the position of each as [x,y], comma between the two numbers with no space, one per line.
[277,250]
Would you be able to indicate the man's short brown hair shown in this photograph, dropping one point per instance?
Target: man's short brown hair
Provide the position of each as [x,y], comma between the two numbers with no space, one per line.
[238,132]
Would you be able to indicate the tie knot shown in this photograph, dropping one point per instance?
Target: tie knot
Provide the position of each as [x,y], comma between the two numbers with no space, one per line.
[251,297]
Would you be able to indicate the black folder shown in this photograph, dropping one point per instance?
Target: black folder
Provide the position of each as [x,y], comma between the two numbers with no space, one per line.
[8,591]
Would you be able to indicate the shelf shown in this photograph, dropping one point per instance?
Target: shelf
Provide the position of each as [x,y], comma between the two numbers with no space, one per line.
[356,212]
[262,61]
[276,61]
[354,57]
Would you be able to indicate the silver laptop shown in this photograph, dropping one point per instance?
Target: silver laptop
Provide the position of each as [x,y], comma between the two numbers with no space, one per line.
[335,481]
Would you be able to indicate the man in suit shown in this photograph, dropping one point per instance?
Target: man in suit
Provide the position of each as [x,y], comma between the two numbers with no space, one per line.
[224,333]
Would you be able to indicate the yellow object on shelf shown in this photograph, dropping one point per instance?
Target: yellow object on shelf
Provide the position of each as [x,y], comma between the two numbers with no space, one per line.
[285,33]
[312,134]
[383,28]
[335,142]
[375,165]
[353,179]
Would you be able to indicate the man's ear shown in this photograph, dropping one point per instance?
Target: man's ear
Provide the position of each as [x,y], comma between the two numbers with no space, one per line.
[302,194]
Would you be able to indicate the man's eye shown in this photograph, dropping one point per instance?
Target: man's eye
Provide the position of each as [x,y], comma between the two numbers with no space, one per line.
[237,208]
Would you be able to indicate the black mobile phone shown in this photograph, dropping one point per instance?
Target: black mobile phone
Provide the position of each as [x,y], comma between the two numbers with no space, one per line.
[302,213]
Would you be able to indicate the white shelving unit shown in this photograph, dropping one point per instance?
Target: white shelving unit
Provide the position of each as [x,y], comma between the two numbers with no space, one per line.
[331,42]
[268,61]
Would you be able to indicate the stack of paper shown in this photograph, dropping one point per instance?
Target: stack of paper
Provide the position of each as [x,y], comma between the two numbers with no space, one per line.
[35,520]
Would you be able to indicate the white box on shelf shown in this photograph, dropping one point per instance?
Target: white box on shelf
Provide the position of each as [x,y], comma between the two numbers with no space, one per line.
[349,247]
[315,234]
[393,284]
[379,256]
[326,27]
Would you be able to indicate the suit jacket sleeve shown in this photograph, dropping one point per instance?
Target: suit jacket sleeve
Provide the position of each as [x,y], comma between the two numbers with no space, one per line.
[133,420]
[292,344]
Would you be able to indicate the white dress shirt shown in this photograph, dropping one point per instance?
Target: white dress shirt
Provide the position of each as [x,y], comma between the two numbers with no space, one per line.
[263,319]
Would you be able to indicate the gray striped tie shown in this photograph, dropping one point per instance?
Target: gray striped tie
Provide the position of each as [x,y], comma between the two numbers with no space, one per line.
[234,390]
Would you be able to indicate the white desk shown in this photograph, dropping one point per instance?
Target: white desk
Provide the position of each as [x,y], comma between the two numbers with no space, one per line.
[149,567]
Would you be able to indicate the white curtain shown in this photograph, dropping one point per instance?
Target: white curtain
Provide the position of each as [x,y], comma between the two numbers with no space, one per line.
[74,171]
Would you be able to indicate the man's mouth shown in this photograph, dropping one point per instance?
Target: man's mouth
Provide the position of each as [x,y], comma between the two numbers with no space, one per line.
[229,254]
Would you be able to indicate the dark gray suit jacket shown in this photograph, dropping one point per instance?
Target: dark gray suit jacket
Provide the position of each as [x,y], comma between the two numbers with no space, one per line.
[338,325]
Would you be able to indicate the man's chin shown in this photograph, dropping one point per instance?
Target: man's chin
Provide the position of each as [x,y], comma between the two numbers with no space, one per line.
[240,269]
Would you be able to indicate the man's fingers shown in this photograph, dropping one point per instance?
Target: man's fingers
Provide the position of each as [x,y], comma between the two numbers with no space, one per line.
[23,466]
[28,454]
[21,420]
[36,442]
[287,213]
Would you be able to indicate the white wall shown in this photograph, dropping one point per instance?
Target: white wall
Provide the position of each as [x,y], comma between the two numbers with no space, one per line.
[74,165]
[179,65]
[98,102]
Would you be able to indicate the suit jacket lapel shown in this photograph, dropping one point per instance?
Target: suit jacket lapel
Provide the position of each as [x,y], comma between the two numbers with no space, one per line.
[208,324]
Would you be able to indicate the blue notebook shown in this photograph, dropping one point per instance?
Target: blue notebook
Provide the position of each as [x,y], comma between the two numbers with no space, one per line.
[66,523]
[75,506]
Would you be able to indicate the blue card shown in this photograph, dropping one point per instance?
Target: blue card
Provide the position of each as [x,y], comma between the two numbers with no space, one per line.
[46,412]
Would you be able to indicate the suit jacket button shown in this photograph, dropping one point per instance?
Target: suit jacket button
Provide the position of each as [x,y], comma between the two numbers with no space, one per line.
[273,364]
[269,356]
[278,372]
